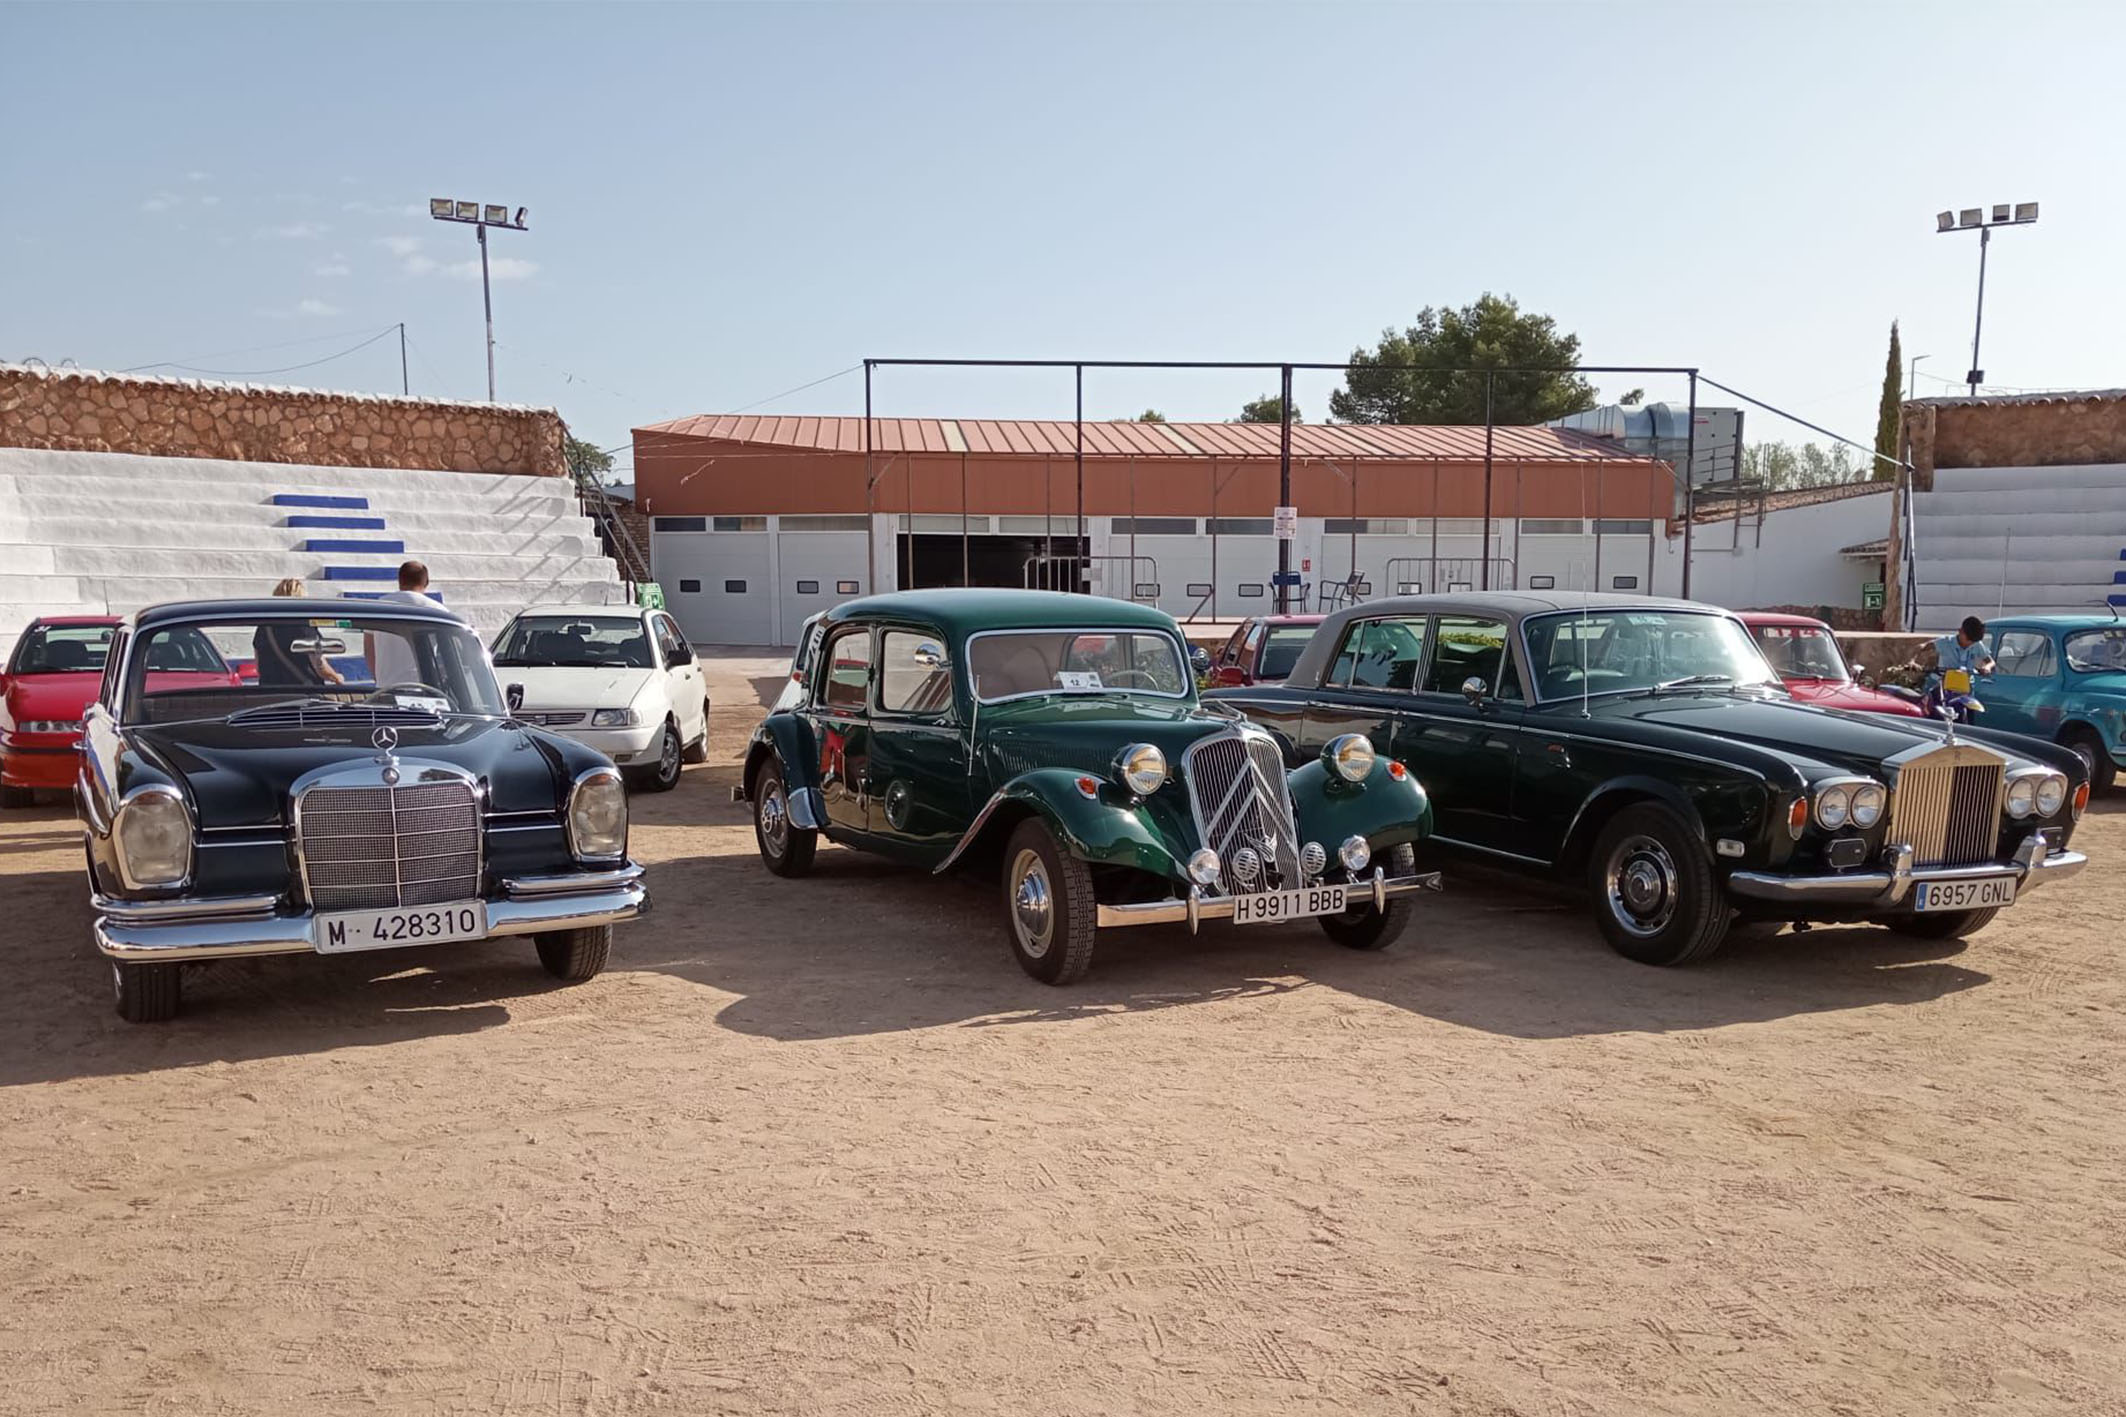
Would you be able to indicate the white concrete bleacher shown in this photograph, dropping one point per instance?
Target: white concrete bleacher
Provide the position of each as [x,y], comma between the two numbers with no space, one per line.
[109,533]
[2019,540]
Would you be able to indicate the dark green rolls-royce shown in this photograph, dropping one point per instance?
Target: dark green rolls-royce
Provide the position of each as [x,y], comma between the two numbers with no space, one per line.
[1646,745]
[1058,741]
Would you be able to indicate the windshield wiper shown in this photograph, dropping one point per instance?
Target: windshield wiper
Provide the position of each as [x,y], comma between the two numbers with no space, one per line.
[283,706]
[1688,681]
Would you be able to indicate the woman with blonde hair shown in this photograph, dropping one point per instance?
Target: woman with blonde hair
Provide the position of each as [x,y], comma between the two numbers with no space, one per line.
[279,662]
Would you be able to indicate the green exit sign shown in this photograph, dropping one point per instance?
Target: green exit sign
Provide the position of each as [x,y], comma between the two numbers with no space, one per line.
[1871,596]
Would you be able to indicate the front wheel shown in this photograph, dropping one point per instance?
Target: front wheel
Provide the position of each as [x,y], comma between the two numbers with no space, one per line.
[1049,909]
[145,993]
[1654,894]
[1948,925]
[1363,927]
[785,848]
[575,955]
[664,775]
[2103,773]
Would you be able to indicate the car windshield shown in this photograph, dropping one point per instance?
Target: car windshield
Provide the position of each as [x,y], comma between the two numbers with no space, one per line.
[1623,651]
[1280,651]
[574,642]
[1010,663]
[223,668]
[2101,651]
[62,649]
[1802,651]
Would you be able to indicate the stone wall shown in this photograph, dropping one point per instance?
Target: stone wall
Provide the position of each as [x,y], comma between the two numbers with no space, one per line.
[2039,430]
[83,411]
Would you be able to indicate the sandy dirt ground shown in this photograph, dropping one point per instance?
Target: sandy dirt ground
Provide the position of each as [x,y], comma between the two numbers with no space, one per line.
[819,1147]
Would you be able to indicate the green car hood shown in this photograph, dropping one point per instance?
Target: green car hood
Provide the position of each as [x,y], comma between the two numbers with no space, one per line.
[1083,732]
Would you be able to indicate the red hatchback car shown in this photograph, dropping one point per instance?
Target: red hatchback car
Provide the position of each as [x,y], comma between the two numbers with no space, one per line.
[1805,654]
[1262,651]
[52,677]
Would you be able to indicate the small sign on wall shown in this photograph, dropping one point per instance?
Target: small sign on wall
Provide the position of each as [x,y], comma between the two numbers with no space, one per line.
[1285,522]
[1871,596]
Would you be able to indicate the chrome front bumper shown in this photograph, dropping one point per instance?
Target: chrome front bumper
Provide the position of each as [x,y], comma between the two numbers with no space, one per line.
[1198,907]
[2033,864]
[232,927]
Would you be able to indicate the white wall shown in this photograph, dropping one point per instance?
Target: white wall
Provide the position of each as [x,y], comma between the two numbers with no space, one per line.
[1790,558]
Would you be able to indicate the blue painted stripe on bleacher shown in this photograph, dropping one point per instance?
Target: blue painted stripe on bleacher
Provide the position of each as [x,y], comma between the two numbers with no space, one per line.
[326,543]
[2118,599]
[435,595]
[313,499]
[2118,577]
[338,523]
[361,573]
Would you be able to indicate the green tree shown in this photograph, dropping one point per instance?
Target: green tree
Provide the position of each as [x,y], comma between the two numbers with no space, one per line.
[1416,375]
[1886,421]
[587,461]
[1150,415]
[1782,467]
[1267,409]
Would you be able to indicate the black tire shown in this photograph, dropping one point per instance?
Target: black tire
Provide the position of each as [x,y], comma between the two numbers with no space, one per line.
[11,796]
[575,955]
[698,750]
[785,848]
[1050,913]
[1368,929]
[663,775]
[1948,925]
[2103,773]
[145,993]
[1655,898]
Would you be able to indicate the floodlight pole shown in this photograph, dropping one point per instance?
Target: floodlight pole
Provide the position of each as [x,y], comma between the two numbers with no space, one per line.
[487,304]
[475,215]
[1978,322]
[2019,214]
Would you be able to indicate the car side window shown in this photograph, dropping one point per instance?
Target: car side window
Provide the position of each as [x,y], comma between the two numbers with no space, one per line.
[913,676]
[1231,653]
[845,670]
[113,662]
[1381,654]
[2025,654]
[670,643]
[1463,648]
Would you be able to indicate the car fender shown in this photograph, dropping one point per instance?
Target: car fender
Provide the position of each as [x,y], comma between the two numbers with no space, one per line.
[1600,804]
[1386,809]
[789,740]
[1109,828]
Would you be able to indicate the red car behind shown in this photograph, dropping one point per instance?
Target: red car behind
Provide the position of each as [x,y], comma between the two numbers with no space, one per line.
[1263,650]
[1805,654]
[51,679]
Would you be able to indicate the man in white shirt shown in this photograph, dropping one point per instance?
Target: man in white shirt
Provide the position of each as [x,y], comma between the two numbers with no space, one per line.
[391,657]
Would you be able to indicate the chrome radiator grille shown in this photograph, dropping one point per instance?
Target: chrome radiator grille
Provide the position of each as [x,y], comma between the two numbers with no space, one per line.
[552,718]
[369,848]
[1236,787]
[1947,806]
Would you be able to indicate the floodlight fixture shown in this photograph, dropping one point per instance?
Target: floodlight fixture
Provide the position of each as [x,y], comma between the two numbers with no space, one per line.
[480,216]
[519,222]
[468,211]
[499,216]
[1974,218]
[441,208]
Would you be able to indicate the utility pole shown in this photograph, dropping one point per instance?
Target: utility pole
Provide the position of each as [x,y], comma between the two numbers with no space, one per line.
[480,217]
[1912,379]
[1484,550]
[1284,484]
[404,386]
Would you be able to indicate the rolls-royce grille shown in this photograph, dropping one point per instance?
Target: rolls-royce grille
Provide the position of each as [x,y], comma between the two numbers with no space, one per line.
[369,848]
[1947,806]
[1237,790]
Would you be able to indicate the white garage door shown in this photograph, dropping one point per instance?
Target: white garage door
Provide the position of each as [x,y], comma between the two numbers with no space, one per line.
[716,584]
[816,570]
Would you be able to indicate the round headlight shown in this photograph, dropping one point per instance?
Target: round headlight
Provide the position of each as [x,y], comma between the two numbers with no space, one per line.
[2022,797]
[2051,794]
[153,835]
[1868,801]
[1203,867]
[1141,768]
[1355,854]
[597,815]
[1834,806]
[1349,756]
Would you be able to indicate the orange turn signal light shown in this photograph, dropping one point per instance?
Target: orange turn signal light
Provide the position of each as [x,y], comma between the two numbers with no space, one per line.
[2081,800]
[1396,770]
[1090,786]
[1797,817]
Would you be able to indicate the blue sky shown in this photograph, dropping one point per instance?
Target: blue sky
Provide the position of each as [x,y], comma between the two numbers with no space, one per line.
[730,200]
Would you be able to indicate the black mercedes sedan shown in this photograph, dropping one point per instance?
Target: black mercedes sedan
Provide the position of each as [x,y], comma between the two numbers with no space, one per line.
[1645,747]
[297,776]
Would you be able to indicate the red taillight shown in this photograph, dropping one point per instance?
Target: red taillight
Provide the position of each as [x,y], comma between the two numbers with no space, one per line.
[1396,770]
[2081,800]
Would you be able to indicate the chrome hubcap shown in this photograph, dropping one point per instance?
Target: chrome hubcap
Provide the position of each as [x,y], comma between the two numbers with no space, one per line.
[1642,884]
[773,819]
[1032,904]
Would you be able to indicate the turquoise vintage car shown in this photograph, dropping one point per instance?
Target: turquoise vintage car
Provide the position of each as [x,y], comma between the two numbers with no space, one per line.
[1057,741]
[2063,678]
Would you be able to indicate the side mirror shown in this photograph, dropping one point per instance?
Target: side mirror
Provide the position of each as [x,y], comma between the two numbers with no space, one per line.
[929,656]
[1474,689]
[682,655]
[514,694]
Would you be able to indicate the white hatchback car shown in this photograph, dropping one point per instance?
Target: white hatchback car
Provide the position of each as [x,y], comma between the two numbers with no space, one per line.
[619,678]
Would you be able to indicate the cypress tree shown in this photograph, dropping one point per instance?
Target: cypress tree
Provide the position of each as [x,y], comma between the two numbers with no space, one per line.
[1886,420]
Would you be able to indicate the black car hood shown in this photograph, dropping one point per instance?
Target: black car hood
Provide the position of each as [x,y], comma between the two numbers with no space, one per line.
[238,775]
[1851,741]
